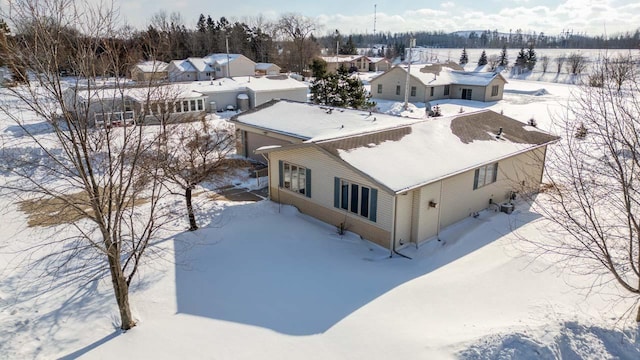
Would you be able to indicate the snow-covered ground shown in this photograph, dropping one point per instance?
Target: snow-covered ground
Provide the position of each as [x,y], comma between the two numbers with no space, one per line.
[261,281]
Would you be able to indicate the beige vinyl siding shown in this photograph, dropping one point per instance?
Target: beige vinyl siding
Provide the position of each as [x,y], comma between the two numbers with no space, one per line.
[397,77]
[459,200]
[487,94]
[242,66]
[477,92]
[323,170]
[254,141]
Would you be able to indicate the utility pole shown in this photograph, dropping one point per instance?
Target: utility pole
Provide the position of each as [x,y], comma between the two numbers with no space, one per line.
[226,38]
[412,43]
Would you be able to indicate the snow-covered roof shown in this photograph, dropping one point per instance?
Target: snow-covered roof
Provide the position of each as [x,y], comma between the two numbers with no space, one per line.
[183,65]
[200,64]
[152,66]
[265,66]
[220,59]
[217,85]
[341,58]
[140,94]
[447,76]
[312,122]
[376,59]
[448,145]
[267,83]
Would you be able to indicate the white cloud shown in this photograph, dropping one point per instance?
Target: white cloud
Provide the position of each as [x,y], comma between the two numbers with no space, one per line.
[447,5]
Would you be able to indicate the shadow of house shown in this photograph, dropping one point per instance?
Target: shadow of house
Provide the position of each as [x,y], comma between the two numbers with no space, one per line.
[292,274]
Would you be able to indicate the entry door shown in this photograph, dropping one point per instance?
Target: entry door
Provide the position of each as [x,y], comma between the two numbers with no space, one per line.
[466,94]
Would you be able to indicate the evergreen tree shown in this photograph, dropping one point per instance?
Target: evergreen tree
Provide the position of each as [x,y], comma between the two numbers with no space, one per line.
[504,59]
[341,90]
[349,48]
[531,58]
[483,59]
[318,68]
[521,60]
[464,58]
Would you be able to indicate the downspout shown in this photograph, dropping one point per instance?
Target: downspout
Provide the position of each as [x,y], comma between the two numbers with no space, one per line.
[393,229]
[268,174]
[392,245]
[439,211]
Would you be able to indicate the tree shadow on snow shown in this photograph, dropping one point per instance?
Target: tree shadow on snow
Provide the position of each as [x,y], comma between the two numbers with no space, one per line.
[293,274]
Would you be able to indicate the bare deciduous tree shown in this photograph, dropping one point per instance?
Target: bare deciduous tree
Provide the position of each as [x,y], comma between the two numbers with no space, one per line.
[559,62]
[111,204]
[594,195]
[544,62]
[576,63]
[195,153]
[298,29]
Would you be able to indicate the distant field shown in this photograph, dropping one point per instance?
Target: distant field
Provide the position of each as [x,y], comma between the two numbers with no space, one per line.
[444,54]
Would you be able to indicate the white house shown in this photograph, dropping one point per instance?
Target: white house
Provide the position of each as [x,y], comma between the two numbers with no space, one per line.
[181,70]
[212,66]
[394,183]
[127,105]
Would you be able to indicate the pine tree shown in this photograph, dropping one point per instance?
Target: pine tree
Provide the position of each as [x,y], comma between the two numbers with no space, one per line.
[531,58]
[341,90]
[504,59]
[521,60]
[464,59]
[483,59]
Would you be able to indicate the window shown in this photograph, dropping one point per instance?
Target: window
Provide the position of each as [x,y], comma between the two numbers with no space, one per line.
[193,105]
[200,104]
[128,106]
[485,175]
[355,198]
[446,90]
[431,92]
[494,90]
[178,106]
[413,91]
[185,105]
[295,178]
[379,88]
[397,89]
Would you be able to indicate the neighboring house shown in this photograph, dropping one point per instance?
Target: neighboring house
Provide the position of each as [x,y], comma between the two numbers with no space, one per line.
[181,70]
[396,185]
[267,69]
[266,88]
[223,93]
[149,71]
[435,82]
[135,105]
[204,70]
[230,65]
[379,64]
[212,66]
[359,62]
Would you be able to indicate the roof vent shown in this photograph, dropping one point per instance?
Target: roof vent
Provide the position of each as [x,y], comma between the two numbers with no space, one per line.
[499,134]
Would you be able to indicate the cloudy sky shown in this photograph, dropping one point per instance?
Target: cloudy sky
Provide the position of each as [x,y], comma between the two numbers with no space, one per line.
[550,16]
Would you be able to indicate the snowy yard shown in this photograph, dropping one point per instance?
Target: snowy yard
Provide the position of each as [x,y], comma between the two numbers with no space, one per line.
[261,281]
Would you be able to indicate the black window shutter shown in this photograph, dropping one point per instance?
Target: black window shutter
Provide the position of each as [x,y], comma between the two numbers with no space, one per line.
[336,192]
[307,188]
[495,173]
[475,179]
[280,173]
[374,205]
